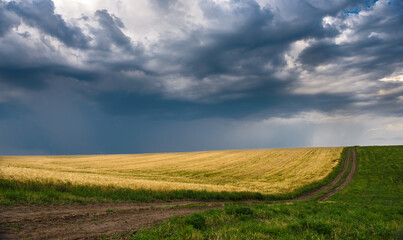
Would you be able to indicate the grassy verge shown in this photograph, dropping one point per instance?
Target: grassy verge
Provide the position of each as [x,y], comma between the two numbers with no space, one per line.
[12,192]
[370,207]
[27,192]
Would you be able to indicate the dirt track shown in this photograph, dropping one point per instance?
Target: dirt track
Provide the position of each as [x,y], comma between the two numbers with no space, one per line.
[333,183]
[348,179]
[90,221]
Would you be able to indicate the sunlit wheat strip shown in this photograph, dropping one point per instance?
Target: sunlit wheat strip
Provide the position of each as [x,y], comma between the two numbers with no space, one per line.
[269,171]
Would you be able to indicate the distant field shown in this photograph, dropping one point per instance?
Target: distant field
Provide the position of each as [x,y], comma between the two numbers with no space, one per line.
[268,171]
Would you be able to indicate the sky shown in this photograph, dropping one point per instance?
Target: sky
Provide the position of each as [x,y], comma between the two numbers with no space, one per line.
[105,77]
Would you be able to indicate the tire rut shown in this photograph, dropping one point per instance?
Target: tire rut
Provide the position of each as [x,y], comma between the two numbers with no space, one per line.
[331,184]
[344,184]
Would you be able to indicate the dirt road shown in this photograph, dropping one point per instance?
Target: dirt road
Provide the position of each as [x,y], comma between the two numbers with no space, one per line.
[92,220]
[333,183]
[347,181]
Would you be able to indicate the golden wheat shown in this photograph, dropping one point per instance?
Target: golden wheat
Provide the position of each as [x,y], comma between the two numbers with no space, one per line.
[268,171]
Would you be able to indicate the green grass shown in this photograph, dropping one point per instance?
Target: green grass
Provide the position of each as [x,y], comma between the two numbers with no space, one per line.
[379,178]
[42,192]
[47,192]
[370,207]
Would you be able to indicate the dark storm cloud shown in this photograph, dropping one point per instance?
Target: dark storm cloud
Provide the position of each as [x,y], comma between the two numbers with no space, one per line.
[388,100]
[111,31]
[76,73]
[20,65]
[320,53]
[29,78]
[256,106]
[23,69]
[378,55]
[375,50]
[379,43]
[256,40]
[8,20]
[41,14]
[255,37]
[37,78]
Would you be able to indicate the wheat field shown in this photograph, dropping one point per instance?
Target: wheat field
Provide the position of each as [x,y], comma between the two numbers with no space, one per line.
[269,171]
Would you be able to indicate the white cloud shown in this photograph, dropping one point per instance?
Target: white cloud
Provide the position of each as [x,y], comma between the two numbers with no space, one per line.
[143,22]
[392,78]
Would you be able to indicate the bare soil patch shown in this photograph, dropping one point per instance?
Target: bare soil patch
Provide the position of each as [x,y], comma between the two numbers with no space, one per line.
[89,221]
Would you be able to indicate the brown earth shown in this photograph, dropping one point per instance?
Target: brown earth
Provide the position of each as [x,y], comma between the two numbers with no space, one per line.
[88,221]
[92,220]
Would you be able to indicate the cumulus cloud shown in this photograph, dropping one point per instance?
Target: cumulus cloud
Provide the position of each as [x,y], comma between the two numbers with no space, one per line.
[40,14]
[111,31]
[8,20]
